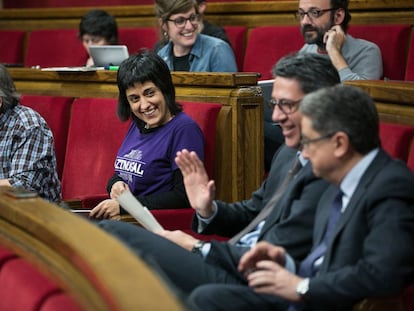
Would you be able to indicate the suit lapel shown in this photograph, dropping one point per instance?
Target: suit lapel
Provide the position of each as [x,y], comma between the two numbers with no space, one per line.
[354,204]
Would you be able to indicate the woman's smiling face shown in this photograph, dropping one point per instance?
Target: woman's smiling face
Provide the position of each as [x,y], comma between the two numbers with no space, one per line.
[148,104]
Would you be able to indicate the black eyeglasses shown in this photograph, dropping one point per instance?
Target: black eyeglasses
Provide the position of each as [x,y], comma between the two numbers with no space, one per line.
[312,13]
[305,142]
[181,21]
[286,106]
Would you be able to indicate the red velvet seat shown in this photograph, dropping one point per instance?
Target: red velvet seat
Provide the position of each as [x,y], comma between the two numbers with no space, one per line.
[138,38]
[54,48]
[393,42]
[409,70]
[24,288]
[396,139]
[237,37]
[11,46]
[267,44]
[56,112]
[95,135]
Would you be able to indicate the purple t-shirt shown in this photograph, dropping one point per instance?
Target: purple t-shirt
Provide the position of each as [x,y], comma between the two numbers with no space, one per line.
[146,161]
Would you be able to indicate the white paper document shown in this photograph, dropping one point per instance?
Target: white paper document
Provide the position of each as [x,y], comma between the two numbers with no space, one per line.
[138,211]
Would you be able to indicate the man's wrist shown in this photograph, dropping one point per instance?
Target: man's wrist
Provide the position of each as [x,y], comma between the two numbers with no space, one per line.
[302,288]
[197,247]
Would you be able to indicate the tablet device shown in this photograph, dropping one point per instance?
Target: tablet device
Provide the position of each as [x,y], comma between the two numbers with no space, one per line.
[108,55]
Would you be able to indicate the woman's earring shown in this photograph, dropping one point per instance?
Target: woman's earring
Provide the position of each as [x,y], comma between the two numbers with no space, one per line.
[165,35]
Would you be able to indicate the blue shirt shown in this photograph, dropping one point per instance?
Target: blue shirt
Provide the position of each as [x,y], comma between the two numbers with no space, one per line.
[208,54]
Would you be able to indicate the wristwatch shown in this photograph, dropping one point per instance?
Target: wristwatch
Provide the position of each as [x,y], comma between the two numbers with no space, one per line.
[302,288]
[198,246]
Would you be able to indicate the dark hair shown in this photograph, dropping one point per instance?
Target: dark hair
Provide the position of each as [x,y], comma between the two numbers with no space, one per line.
[99,23]
[312,71]
[10,98]
[139,68]
[342,4]
[344,108]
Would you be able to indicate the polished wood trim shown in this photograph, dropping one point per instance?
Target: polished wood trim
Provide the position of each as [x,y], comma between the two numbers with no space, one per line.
[93,267]
[394,99]
[238,166]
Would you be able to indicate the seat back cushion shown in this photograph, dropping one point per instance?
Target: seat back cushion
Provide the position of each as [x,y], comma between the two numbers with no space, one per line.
[205,114]
[56,112]
[11,46]
[138,38]
[237,37]
[393,42]
[396,139]
[54,48]
[95,135]
[267,44]
[409,69]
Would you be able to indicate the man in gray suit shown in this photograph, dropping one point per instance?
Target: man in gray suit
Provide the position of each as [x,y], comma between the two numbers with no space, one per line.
[364,227]
[189,262]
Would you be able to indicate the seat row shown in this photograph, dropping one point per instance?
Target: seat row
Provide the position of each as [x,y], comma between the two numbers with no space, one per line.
[256,50]
[87,136]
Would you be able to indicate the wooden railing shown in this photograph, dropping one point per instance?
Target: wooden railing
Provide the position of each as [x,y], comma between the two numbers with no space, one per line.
[89,265]
[394,99]
[238,160]
[250,14]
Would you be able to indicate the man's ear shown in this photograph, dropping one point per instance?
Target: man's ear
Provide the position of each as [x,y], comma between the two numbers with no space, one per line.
[342,144]
[339,16]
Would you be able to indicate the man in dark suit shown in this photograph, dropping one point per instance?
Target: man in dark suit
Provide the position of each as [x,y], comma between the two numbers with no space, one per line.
[364,227]
[291,218]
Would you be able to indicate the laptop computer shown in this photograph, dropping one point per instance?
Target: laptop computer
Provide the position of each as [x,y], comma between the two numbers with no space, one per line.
[108,55]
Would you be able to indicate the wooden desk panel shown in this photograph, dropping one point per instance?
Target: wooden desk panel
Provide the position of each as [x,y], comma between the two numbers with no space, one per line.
[239,137]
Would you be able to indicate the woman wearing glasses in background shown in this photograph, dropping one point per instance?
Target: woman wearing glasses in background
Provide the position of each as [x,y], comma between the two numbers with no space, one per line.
[187,49]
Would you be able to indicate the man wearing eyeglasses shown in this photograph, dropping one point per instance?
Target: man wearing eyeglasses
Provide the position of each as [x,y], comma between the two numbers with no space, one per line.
[364,224]
[189,262]
[324,25]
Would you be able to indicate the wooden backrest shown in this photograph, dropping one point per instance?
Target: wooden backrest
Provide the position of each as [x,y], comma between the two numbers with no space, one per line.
[60,253]
[56,112]
[94,137]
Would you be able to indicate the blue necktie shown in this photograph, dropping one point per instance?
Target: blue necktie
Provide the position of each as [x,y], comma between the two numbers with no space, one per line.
[307,267]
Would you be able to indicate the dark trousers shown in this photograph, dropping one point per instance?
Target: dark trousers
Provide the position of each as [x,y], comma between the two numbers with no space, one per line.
[181,267]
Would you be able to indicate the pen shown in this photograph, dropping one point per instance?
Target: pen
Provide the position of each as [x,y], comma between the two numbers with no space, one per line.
[111,67]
